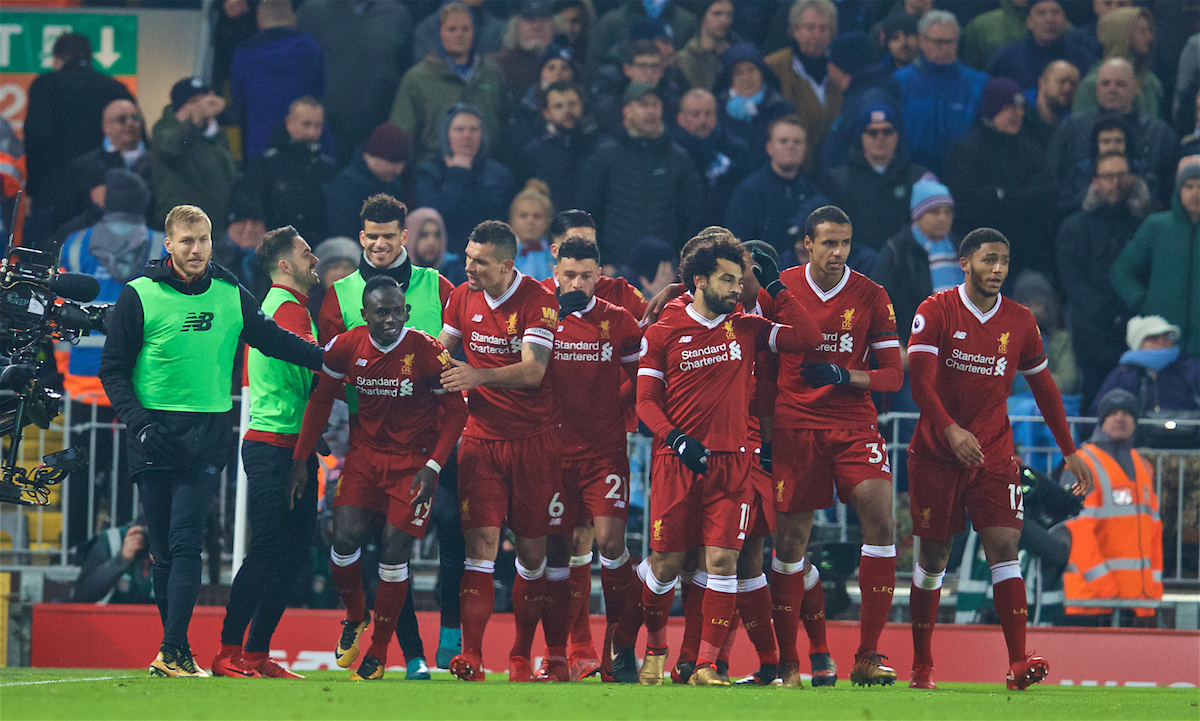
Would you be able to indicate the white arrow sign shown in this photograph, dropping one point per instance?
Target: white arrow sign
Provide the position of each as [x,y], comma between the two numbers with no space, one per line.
[107,54]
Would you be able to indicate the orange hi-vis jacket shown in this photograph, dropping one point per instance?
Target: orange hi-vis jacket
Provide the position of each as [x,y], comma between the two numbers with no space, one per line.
[1116,542]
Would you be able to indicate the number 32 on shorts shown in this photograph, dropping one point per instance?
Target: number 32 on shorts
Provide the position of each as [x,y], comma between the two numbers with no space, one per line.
[879,457]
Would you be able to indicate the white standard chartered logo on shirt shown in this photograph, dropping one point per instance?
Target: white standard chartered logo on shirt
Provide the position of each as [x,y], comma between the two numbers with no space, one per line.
[836,343]
[494,344]
[587,351]
[710,355]
[383,387]
[984,365]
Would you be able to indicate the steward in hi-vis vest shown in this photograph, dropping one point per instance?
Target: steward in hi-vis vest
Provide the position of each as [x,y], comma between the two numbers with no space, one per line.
[167,367]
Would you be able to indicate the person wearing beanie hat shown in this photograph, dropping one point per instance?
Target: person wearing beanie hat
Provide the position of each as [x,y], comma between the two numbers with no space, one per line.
[700,59]
[557,65]
[862,85]
[532,31]
[1023,60]
[748,98]
[378,167]
[1154,368]
[1152,275]
[999,180]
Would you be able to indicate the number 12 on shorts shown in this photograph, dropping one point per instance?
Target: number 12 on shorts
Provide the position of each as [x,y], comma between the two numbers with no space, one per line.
[1016,500]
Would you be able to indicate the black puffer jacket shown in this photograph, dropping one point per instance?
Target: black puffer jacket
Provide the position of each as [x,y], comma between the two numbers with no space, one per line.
[286,182]
[876,203]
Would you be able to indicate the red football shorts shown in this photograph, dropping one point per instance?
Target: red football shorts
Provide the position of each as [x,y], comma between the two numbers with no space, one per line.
[517,480]
[595,486]
[689,511]
[942,498]
[382,482]
[762,507]
[807,459]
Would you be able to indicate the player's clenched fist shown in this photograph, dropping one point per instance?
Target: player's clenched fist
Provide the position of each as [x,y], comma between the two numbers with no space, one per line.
[691,451]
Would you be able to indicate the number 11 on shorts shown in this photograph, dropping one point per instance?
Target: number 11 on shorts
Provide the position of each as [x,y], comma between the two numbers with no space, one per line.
[744,522]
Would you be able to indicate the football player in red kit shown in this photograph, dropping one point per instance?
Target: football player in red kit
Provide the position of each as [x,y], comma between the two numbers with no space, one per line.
[825,438]
[693,386]
[618,291]
[509,461]
[967,345]
[596,349]
[406,428]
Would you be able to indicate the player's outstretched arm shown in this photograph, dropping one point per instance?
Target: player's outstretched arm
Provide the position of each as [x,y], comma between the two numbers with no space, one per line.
[264,334]
[316,415]
[526,373]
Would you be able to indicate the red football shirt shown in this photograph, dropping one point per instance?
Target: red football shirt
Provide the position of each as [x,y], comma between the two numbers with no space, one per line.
[617,291]
[978,355]
[329,320]
[397,386]
[855,318]
[589,349]
[492,331]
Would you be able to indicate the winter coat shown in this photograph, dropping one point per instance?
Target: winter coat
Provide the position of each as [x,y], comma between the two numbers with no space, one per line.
[287,183]
[723,162]
[938,104]
[1152,150]
[73,197]
[557,158]
[1158,272]
[765,204]
[1000,181]
[612,29]
[270,70]
[1113,35]
[489,33]
[987,33]
[639,187]
[190,167]
[877,203]
[431,88]
[902,268]
[701,66]
[753,131]
[344,196]
[1023,60]
[1174,388]
[816,117]
[465,196]
[870,86]
[1089,242]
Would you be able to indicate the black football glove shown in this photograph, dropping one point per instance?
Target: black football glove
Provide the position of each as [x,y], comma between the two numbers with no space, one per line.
[824,374]
[764,457]
[767,272]
[691,451]
[153,441]
[572,302]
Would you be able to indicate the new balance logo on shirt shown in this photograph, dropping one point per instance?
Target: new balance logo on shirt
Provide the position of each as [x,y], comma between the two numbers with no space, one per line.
[960,335]
[476,318]
[197,321]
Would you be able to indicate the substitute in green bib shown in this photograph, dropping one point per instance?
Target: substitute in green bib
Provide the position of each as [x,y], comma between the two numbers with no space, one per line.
[167,367]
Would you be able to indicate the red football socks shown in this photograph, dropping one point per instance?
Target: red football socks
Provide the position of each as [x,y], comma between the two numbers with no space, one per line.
[754,606]
[347,579]
[924,607]
[812,611]
[693,617]
[877,584]
[720,602]
[619,583]
[1008,594]
[389,599]
[476,597]
[528,596]
[555,611]
[787,593]
[580,585]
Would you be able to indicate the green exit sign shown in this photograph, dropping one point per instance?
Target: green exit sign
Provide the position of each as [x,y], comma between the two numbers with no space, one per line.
[26,40]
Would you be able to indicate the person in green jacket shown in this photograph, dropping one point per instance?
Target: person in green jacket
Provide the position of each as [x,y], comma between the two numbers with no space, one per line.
[992,30]
[1158,273]
[1126,33]
[453,73]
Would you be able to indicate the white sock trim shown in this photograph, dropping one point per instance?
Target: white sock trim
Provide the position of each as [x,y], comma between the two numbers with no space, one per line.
[393,572]
[926,580]
[1005,570]
[656,586]
[614,563]
[700,578]
[479,565]
[723,584]
[752,584]
[870,551]
[811,577]
[531,574]
[585,560]
[786,568]
[558,573]
[342,561]
[643,570]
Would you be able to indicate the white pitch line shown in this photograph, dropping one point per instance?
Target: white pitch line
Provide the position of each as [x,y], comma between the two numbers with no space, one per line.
[63,680]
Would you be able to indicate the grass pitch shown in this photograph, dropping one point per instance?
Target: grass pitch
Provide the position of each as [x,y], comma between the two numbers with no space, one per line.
[125,695]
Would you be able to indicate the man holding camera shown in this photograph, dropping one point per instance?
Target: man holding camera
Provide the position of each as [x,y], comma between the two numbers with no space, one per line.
[167,367]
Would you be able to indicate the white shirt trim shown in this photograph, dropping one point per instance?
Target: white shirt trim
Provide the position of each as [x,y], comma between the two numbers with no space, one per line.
[652,373]
[452,330]
[886,344]
[631,357]
[591,304]
[331,373]
[980,316]
[381,349]
[710,324]
[771,338]
[495,303]
[1037,368]
[922,348]
[826,297]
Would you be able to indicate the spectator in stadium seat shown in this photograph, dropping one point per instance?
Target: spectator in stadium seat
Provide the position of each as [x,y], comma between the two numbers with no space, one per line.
[1156,272]
[116,567]
[939,95]
[367,47]
[63,117]
[489,30]
[1035,291]
[235,249]
[803,70]
[613,28]
[700,58]
[862,84]
[531,31]
[1187,85]
[567,139]
[1110,134]
[1089,242]
[287,180]
[529,216]
[1127,33]
[124,146]
[426,245]
[274,67]
[1089,33]
[527,122]
[641,61]
[377,169]
[988,32]
[1155,369]
[1050,103]
[764,205]
[874,186]
[338,258]
[1151,144]
[640,182]
[573,21]
[1047,41]
[999,180]
[723,161]
[898,33]
[748,99]
[462,182]
[192,164]
[454,73]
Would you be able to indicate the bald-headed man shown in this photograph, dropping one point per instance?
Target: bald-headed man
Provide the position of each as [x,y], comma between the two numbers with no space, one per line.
[723,160]
[1050,103]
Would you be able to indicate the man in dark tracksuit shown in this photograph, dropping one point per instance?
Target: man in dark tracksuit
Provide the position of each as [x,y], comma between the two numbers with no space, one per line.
[167,368]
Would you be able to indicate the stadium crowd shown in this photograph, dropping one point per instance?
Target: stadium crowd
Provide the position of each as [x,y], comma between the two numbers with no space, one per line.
[611,138]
